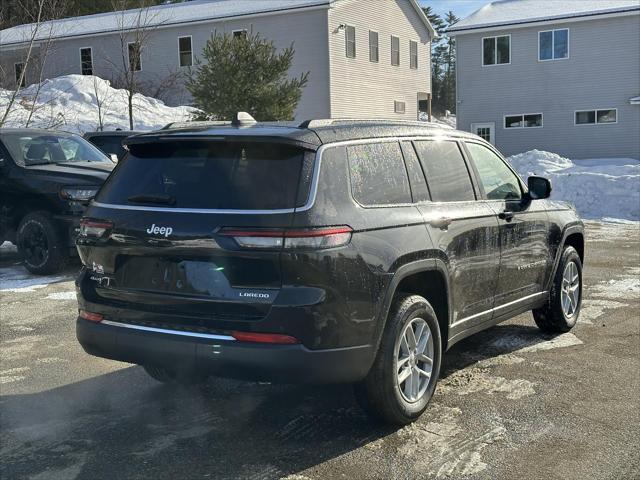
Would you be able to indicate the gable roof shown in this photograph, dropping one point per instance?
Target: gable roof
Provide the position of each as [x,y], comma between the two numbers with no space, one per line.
[158,15]
[165,15]
[522,12]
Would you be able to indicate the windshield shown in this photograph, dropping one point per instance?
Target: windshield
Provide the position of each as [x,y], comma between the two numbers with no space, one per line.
[29,149]
[211,175]
[110,144]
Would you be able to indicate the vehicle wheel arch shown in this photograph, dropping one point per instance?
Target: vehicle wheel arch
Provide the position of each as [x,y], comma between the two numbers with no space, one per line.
[573,235]
[427,278]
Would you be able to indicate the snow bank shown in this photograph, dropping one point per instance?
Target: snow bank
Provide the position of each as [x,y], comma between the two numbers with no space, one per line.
[446,121]
[71,103]
[598,188]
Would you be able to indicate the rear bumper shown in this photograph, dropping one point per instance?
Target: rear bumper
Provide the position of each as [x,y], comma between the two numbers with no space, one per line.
[220,356]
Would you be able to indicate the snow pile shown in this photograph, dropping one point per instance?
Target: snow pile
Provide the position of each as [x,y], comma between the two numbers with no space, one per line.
[598,188]
[446,121]
[71,103]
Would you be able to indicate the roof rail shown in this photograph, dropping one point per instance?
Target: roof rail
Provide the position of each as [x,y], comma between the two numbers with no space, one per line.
[195,124]
[327,122]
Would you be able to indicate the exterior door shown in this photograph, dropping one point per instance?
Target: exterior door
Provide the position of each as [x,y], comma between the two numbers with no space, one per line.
[486,131]
[524,245]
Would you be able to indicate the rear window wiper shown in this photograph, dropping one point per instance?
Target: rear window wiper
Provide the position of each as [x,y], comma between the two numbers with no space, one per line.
[159,199]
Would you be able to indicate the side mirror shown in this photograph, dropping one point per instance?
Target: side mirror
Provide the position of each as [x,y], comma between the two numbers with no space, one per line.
[113,157]
[539,187]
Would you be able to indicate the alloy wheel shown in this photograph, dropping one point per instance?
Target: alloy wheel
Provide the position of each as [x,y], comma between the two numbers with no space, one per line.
[570,290]
[414,359]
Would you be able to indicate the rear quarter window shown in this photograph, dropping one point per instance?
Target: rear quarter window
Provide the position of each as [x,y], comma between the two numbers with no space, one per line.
[378,174]
[222,175]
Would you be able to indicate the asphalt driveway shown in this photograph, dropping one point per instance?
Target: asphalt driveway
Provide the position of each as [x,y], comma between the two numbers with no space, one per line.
[512,402]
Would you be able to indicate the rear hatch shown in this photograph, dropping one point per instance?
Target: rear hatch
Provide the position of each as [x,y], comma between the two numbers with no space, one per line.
[170,231]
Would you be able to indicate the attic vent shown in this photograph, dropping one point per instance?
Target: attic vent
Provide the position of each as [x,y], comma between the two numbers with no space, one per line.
[399,107]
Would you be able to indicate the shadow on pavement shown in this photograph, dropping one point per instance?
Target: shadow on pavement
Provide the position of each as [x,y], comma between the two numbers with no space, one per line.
[124,425]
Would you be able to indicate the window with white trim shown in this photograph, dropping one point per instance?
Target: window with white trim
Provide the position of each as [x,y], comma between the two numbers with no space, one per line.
[413,55]
[18,68]
[496,50]
[395,51]
[553,44]
[350,41]
[374,47]
[185,51]
[86,61]
[598,116]
[526,120]
[240,33]
[399,107]
[133,49]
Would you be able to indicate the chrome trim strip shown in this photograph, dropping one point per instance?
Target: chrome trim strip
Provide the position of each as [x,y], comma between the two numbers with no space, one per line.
[208,336]
[191,210]
[506,305]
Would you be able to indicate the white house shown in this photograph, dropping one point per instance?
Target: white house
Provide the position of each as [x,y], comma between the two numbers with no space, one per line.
[365,58]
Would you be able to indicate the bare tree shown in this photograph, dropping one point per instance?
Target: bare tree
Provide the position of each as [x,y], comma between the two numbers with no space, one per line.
[31,43]
[37,49]
[101,103]
[135,28]
[164,86]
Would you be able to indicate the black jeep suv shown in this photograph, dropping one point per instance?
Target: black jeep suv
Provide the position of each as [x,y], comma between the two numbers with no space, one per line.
[46,181]
[333,251]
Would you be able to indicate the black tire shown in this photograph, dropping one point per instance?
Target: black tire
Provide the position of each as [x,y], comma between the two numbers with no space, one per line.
[164,375]
[552,317]
[379,394]
[41,244]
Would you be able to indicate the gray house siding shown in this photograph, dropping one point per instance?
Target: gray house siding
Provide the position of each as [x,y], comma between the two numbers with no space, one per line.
[159,59]
[602,71]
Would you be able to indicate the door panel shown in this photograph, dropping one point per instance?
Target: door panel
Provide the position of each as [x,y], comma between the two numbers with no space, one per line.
[466,237]
[523,232]
[524,250]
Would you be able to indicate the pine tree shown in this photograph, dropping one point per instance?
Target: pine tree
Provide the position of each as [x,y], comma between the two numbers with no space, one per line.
[443,62]
[449,82]
[245,74]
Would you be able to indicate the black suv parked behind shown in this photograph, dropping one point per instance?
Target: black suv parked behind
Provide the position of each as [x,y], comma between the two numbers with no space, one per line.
[46,181]
[110,143]
[332,251]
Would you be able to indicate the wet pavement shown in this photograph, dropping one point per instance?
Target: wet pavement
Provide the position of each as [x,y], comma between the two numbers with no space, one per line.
[512,402]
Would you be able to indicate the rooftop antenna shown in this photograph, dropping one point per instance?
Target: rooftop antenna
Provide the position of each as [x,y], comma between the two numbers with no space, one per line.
[243,119]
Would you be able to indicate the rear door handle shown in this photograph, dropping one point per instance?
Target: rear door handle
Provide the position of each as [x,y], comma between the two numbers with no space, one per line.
[442,223]
[508,216]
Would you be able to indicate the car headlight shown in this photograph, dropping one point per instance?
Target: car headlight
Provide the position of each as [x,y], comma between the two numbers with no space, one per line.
[79,194]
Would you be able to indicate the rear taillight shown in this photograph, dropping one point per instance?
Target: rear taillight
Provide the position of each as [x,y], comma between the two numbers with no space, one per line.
[94,228]
[273,338]
[312,238]
[91,316]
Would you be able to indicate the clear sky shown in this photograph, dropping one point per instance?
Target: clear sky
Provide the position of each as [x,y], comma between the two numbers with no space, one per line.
[461,8]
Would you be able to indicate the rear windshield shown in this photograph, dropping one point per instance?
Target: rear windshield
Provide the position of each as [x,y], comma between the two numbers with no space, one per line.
[110,145]
[211,175]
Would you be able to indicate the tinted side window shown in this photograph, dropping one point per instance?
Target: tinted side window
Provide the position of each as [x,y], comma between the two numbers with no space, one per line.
[378,174]
[419,189]
[498,181]
[446,171]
